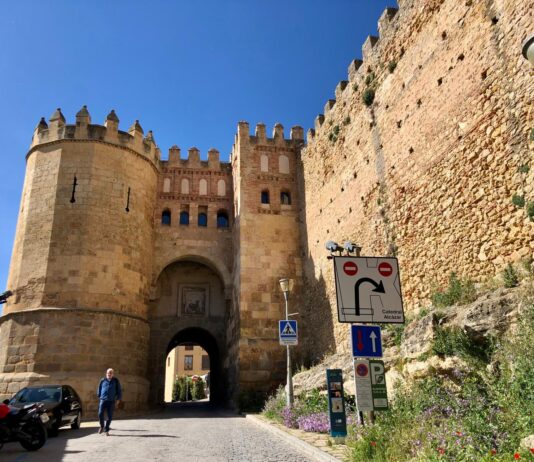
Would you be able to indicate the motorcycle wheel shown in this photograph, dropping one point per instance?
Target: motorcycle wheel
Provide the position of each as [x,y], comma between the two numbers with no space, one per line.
[35,436]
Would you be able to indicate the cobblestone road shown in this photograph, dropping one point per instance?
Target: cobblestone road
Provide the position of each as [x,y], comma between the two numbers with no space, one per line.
[184,432]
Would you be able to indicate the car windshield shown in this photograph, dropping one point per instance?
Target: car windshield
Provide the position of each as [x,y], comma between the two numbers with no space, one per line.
[33,395]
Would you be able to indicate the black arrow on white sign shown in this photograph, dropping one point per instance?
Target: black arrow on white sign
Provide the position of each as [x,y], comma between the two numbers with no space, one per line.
[379,287]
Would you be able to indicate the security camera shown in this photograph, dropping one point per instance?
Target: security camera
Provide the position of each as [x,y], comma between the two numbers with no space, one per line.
[351,247]
[332,246]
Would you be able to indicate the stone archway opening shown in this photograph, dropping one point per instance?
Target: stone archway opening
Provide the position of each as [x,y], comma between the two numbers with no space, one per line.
[190,309]
[196,354]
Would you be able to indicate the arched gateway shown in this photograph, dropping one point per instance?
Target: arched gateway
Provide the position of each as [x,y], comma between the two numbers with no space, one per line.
[100,280]
[190,306]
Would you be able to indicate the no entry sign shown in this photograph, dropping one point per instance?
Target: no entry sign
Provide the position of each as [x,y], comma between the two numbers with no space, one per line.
[350,268]
[385,269]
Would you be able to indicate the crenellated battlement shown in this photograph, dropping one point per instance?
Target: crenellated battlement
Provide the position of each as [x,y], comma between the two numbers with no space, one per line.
[83,130]
[378,51]
[278,139]
[193,160]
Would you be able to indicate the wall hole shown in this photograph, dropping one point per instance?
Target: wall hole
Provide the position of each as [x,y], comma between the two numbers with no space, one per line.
[440,81]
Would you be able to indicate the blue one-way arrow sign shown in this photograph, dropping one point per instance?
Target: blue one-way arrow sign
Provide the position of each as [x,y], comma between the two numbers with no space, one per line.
[288,332]
[366,341]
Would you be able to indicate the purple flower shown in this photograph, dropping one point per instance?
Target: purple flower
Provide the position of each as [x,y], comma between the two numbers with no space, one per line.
[318,422]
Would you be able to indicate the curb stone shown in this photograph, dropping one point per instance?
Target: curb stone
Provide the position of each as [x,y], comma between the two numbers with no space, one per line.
[312,451]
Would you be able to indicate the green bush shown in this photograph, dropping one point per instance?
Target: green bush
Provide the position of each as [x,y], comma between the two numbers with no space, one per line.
[392,65]
[453,341]
[518,201]
[346,121]
[197,389]
[530,211]
[182,385]
[458,292]
[370,79]
[368,97]
[523,169]
[510,277]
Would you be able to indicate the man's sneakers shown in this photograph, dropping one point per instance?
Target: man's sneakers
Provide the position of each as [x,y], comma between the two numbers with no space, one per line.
[100,430]
[107,433]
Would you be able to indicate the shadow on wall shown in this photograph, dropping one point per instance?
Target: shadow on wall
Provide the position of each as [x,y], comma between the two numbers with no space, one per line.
[317,331]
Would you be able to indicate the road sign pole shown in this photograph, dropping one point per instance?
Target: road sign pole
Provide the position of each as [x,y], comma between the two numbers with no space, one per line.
[289,398]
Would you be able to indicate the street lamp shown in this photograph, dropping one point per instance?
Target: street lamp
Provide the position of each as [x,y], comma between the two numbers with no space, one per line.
[286,285]
[528,48]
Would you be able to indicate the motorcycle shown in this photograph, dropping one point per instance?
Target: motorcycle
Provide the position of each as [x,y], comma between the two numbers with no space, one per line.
[26,425]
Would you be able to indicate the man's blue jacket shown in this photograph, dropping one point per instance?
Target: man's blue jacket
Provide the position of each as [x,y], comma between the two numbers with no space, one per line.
[109,390]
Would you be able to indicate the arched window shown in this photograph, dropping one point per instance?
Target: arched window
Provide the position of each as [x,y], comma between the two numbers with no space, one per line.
[221,188]
[184,218]
[202,219]
[283,164]
[166,217]
[265,197]
[222,219]
[167,185]
[203,187]
[285,198]
[185,186]
[264,163]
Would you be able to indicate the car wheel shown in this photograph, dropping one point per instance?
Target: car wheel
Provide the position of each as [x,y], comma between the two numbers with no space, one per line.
[76,422]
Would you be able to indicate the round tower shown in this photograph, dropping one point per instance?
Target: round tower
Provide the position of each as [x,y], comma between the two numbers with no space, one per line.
[82,259]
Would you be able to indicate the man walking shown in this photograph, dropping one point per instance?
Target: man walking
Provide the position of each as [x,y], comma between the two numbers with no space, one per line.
[109,391]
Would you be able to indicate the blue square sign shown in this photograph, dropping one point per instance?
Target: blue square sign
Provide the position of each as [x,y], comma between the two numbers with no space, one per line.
[366,341]
[288,332]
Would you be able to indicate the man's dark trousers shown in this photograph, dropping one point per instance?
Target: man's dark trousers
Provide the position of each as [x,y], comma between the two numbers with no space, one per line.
[108,407]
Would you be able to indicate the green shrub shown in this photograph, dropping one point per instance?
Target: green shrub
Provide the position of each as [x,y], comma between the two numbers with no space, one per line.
[197,389]
[510,277]
[530,211]
[523,169]
[368,97]
[392,66]
[370,78]
[346,121]
[453,341]
[518,201]
[355,87]
[532,134]
[458,292]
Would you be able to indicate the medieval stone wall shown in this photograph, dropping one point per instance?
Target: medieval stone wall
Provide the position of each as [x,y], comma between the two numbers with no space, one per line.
[428,170]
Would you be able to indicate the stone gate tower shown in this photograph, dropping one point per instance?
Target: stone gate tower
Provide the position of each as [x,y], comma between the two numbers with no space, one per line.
[120,256]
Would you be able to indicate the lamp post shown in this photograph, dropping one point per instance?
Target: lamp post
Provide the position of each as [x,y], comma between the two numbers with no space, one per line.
[286,285]
[528,48]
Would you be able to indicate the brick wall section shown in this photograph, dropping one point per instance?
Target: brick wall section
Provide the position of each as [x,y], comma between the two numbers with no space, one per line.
[428,171]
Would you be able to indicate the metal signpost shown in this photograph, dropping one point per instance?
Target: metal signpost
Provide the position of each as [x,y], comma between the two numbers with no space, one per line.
[336,403]
[368,290]
[288,332]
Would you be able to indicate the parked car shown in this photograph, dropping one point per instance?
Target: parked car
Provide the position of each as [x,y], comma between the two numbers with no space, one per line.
[63,405]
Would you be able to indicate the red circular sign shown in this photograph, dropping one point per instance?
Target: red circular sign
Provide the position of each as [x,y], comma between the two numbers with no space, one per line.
[385,269]
[350,268]
[362,370]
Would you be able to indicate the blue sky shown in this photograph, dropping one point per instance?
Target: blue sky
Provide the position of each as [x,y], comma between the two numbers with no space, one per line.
[187,70]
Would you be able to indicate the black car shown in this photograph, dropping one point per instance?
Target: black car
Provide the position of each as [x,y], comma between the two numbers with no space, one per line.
[62,404]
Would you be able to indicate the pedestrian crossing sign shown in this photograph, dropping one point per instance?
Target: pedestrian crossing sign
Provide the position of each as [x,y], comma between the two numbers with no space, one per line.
[288,332]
